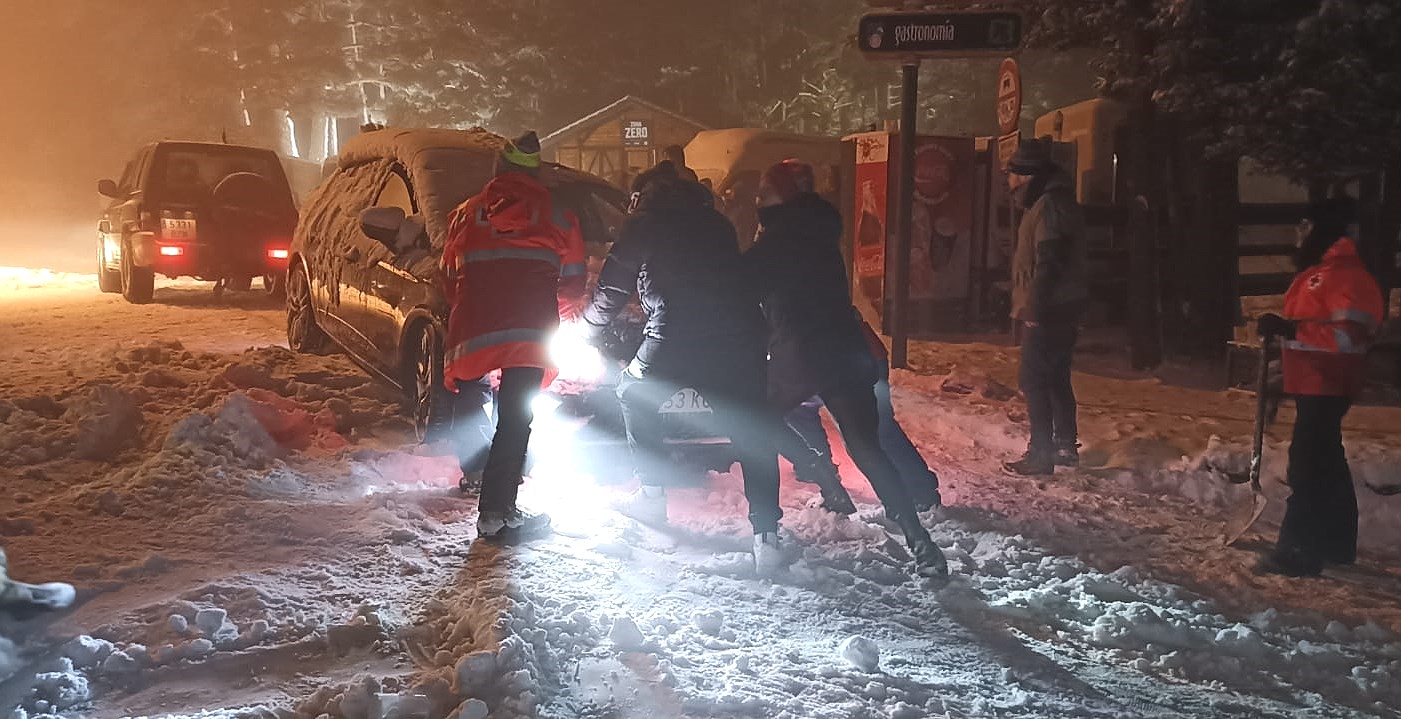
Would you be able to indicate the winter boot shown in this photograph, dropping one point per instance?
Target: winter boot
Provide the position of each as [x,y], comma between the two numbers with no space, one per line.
[471,482]
[1290,562]
[823,473]
[1067,455]
[513,524]
[768,554]
[646,505]
[1032,464]
[929,559]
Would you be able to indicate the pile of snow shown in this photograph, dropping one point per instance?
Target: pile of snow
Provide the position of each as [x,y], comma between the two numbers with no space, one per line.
[19,279]
[95,422]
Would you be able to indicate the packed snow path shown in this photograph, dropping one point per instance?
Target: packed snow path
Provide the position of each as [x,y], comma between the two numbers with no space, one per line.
[269,542]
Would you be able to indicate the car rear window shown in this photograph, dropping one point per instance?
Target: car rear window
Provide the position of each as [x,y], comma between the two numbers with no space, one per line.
[190,174]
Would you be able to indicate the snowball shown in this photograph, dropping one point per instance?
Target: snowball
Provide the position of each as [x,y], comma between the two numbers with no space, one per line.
[119,663]
[65,688]
[197,649]
[709,622]
[86,651]
[861,653]
[471,709]
[210,620]
[474,670]
[178,624]
[625,635]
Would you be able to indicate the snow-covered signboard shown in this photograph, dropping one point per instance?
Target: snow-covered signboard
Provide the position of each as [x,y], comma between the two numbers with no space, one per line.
[921,34]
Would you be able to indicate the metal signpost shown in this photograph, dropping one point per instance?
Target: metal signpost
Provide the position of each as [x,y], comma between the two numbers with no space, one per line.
[910,37]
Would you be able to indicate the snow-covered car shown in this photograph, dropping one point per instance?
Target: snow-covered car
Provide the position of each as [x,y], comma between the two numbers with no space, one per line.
[364,263]
[215,212]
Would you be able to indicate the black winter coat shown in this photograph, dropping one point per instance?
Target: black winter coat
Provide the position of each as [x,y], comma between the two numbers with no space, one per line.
[681,259]
[815,338]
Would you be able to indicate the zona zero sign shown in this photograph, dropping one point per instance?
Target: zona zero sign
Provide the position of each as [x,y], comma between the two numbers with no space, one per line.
[920,34]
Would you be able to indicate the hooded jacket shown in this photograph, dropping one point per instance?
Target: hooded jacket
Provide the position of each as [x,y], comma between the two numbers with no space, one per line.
[1050,267]
[680,258]
[815,338]
[513,262]
[1337,309]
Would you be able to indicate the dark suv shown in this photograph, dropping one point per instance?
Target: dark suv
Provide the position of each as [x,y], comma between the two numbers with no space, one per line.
[364,270]
[221,213]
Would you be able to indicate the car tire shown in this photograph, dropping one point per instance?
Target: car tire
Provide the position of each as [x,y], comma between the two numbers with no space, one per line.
[109,281]
[303,334]
[138,283]
[429,401]
[238,284]
[275,286]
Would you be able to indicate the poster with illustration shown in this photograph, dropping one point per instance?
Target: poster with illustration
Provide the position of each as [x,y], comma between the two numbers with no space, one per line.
[872,167]
[942,226]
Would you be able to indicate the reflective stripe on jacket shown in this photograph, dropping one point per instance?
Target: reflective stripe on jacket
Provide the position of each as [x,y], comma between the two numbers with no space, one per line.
[512,259]
[1337,308]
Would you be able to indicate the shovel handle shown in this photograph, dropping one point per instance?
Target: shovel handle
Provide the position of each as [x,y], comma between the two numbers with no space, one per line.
[1261,405]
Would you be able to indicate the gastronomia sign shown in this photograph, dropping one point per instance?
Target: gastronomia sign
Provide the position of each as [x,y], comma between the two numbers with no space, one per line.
[939,34]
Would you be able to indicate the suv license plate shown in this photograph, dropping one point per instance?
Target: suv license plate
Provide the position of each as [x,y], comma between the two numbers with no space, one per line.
[177,230]
[685,401]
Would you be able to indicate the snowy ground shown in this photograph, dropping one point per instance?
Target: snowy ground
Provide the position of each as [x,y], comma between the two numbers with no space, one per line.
[253,533]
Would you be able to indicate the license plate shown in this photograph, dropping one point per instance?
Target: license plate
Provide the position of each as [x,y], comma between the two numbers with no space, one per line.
[172,229]
[685,401]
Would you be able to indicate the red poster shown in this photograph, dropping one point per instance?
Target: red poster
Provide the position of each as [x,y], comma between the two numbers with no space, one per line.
[872,165]
[942,226]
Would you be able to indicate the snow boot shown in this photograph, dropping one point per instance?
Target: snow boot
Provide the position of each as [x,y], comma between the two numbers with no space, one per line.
[835,498]
[647,505]
[1290,562]
[514,524]
[1034,463]
[929,559]
[1067,455]
[470,482]
[768,554]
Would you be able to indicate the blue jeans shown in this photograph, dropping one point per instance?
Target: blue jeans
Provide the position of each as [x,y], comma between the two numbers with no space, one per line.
[919,480]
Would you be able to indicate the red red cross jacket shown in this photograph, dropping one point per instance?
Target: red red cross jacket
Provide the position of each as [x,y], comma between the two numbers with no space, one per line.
[1337,309]
[513,263]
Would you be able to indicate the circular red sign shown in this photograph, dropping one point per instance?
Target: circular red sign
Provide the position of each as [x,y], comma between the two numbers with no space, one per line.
[1009,96]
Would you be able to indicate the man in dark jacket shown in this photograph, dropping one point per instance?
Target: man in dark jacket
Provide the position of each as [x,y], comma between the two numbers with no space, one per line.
[816,346]
[704,331]
[1050,288]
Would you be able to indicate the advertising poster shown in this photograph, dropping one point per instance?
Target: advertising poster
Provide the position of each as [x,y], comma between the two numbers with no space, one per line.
[872,171]
[942,227]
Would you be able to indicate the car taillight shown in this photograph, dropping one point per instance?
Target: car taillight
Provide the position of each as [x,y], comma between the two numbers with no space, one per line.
[170,251]
[279,254]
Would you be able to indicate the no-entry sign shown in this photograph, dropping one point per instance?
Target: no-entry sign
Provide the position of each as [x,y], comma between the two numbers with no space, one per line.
[1009,97]
[919,34]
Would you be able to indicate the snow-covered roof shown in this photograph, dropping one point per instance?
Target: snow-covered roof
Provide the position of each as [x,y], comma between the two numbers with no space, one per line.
[601,115]
[718,154]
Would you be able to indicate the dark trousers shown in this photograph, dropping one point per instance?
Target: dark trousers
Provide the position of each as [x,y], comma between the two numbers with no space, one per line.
[1045,380]
[734,388]
[853,408]
[505,452]
[919,480]
[1320,521]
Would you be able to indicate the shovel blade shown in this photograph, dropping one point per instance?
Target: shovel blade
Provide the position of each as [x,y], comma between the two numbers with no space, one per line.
[1237,527]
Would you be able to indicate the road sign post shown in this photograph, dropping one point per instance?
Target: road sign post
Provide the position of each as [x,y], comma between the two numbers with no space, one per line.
[910,37]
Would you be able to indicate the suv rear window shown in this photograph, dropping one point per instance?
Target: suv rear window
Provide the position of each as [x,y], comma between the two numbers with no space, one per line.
[190,174]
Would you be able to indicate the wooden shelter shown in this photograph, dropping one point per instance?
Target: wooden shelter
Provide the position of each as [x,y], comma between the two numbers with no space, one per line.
[620,140]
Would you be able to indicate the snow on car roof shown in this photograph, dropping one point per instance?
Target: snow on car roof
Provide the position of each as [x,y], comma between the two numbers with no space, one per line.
[404,144]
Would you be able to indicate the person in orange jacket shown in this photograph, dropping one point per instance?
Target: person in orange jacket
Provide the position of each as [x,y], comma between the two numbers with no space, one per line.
[514,263]
[1332,313]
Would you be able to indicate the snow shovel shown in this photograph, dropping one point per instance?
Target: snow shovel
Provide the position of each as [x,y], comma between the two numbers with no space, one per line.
[1237,527]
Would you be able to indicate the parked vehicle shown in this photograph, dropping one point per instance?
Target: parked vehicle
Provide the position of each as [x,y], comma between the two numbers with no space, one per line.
[214,212]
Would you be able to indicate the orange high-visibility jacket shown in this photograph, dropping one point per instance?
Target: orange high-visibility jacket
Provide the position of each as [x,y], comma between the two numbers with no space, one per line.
[514,261]
[1337,309]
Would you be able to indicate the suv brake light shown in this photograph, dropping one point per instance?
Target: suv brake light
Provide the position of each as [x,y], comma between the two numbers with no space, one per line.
[279,254]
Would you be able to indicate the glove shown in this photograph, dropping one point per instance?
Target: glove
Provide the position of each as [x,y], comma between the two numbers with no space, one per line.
[1272,325]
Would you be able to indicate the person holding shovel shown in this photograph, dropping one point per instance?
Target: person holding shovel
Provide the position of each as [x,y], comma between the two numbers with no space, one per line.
[1332,313]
